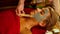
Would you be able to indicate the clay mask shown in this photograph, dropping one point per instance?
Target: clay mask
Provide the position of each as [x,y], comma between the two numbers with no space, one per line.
[40,17]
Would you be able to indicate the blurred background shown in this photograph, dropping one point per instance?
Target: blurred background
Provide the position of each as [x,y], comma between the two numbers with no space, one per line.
[8,4]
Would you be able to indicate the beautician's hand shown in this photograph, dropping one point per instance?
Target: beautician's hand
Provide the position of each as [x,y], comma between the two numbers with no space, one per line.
[20,9]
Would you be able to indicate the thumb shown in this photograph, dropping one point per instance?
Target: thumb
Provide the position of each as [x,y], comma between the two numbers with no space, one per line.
[22,12]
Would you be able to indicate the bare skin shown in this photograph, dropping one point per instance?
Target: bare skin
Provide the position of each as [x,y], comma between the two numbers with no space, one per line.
[20,7]
[27,23]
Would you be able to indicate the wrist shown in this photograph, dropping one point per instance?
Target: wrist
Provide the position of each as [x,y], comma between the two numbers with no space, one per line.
[21,5]
[21,2]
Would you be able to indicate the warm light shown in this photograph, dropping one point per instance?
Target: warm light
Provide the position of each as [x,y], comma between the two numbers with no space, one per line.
[56,30]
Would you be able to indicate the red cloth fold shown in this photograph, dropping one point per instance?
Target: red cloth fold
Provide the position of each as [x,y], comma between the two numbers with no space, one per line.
[9,22]
[38,30]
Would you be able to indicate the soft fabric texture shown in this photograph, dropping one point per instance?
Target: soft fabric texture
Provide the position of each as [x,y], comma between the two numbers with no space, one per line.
[10,23]
[38,30]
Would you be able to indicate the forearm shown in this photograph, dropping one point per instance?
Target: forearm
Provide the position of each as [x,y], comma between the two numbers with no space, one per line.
[21,2]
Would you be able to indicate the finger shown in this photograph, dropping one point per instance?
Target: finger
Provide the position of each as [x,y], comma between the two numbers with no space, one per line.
[18,12]
[23,12]
[36,11]
[39,10]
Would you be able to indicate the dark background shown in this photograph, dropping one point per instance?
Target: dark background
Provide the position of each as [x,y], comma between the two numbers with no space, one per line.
[4,3]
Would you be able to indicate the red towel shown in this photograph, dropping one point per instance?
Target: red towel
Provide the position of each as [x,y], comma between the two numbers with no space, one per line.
[38,30]
[9,23]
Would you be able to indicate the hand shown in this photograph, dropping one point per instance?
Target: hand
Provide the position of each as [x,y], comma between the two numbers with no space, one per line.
[20,9]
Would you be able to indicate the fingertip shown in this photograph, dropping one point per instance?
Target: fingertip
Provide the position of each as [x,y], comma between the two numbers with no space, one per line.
[23,11]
